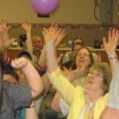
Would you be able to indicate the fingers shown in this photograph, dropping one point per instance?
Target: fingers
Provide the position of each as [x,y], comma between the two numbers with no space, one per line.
[113,34]
[8,28]
[104,41]
[19,63]
[3,21]
[65,69]
[60,58]
[26,25]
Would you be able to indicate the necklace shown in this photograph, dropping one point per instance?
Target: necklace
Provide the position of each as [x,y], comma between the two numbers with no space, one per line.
[88,114]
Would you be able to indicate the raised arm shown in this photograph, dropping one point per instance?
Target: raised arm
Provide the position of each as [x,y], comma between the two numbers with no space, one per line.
[110,47]
[57,100]
[60,35]
[32,76]
[27,27]
[55,75]
[112,109]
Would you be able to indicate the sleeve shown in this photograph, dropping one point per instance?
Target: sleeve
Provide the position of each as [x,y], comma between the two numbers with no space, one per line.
[20,95]
[113,99]
[65,108]
[41,70]
[62,85]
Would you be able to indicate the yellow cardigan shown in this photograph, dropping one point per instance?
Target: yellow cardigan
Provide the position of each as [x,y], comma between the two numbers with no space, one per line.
[74,96]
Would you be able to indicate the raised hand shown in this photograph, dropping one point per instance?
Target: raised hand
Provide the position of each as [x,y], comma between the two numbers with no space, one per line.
[50,34]
[3,25]
[60,36]
[19,63]
[110,47]
[26,25]
[73,74]
[111,43]
[5,41]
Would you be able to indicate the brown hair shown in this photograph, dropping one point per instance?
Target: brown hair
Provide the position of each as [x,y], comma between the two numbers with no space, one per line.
[75,45]
[79,39]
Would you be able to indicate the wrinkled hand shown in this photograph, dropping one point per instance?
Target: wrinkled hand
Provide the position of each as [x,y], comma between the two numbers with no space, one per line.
[111,43]
[50,34]
[26,25]
[60,36]
[19,63]
[73,74]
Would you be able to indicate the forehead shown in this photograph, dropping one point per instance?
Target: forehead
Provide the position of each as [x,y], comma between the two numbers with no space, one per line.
[8,76]
[83,51]
[34,39]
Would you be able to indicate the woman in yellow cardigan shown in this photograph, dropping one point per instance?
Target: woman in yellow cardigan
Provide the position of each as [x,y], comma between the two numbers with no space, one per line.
[86,103]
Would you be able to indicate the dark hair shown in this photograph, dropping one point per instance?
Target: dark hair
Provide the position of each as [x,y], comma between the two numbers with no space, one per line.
[79,39]
[75,45]
[73,65]
[13,73]
[26,54]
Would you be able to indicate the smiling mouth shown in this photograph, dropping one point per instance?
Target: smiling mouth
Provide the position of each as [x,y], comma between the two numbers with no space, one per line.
[90,81]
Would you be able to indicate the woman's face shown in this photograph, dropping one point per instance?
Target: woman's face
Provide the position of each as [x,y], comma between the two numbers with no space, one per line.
[83,58]
[94,81]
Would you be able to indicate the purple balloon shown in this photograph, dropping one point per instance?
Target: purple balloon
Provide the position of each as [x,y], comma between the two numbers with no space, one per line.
[44,7]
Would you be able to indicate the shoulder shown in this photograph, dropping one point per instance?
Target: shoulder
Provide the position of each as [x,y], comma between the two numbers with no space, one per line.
[79,91]
[103,99]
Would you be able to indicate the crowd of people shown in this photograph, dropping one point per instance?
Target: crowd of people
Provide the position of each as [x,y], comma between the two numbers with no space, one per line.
[40,85]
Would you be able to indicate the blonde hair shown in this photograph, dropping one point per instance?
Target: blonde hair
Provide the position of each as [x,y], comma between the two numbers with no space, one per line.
[105,69]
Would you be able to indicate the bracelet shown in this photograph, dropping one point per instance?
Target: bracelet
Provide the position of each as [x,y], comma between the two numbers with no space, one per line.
[112,57]
[31,106]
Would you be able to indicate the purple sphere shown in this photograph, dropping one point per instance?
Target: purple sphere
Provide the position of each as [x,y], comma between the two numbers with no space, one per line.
[44,7]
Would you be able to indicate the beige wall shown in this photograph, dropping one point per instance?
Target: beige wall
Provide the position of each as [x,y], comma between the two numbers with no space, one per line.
[68,11]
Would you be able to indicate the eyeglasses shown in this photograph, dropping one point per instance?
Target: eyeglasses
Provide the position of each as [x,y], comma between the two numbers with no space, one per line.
[95,75]
[84,55]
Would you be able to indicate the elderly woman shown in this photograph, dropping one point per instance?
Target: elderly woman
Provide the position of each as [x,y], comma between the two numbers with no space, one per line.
[85,103]
[81,59]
